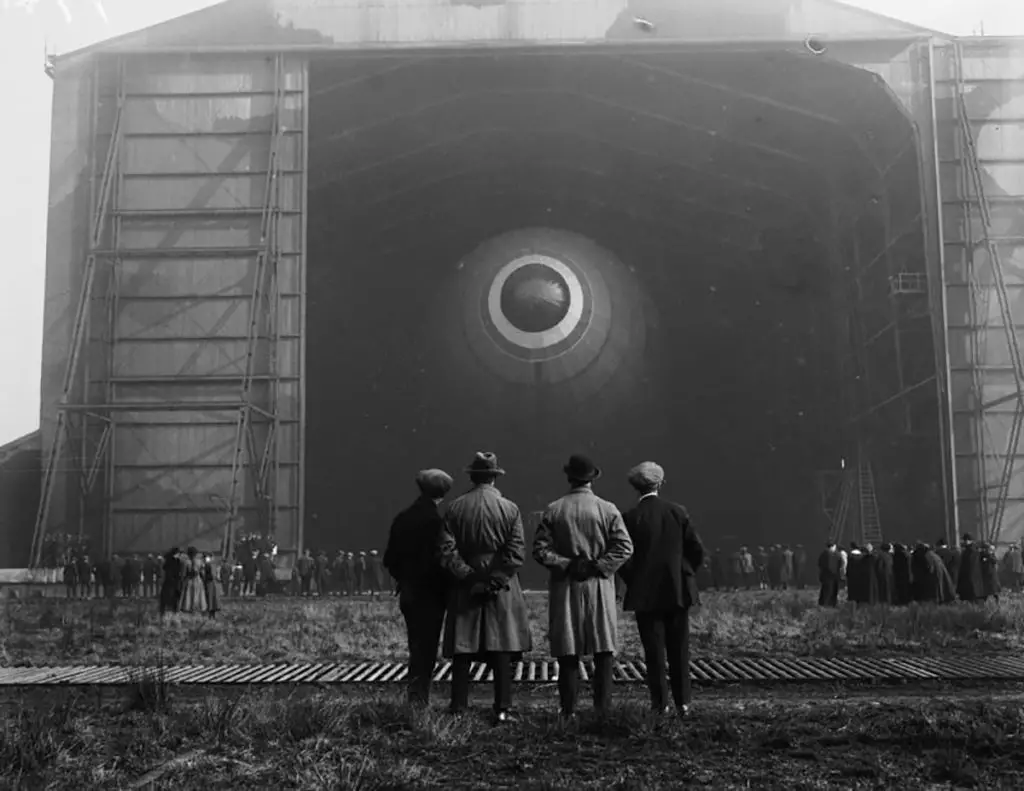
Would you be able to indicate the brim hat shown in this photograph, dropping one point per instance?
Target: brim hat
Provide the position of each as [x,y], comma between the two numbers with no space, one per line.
[581,468]
[646,474]
[485,462]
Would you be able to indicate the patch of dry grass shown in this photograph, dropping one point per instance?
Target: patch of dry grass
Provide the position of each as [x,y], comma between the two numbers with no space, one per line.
[320,741]
[286,629]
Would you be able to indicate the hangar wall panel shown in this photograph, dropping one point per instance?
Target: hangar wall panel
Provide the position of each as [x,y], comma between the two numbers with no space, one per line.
[993,85]
[170,326]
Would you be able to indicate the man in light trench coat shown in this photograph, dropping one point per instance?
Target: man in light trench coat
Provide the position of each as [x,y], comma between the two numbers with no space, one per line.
[482,547]
[582,541]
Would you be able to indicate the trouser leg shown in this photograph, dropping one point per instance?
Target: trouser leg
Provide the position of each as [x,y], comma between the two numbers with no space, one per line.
[423,621]
[652,637]
[568,682]
[602,681]
[500,663]
[460,682]
[677,638]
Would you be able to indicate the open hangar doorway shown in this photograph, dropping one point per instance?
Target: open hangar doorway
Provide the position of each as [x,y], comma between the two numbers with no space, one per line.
[704,257]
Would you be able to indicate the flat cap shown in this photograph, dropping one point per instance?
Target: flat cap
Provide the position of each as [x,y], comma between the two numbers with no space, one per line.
[436,483]
[646,474]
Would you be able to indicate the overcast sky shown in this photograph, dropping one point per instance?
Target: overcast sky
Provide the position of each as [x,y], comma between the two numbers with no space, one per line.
[25,136]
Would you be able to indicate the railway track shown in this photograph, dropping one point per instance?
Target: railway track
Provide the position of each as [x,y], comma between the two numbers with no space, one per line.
[759,671]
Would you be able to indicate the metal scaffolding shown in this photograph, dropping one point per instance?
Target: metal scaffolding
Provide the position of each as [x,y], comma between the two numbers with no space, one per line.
[979,236]
[255,462]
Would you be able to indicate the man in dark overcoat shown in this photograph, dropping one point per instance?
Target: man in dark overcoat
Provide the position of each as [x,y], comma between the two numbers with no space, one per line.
[970,584]
[829,574]
[661,585]
[883,561]
[411,559]
[483,546]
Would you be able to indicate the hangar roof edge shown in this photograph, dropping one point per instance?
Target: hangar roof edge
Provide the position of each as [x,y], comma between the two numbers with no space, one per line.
[234,24]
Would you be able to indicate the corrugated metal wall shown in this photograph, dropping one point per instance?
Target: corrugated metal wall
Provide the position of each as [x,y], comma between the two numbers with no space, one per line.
[993,81]
[170,322]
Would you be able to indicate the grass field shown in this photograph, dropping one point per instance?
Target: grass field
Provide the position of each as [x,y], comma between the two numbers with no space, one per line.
[778,624]
[259,740]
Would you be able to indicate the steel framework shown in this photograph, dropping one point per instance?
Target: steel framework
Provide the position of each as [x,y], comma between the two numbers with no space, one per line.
[975,205]
[255,460]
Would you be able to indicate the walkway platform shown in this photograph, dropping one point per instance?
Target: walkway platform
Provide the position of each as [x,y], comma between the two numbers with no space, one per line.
[760,671]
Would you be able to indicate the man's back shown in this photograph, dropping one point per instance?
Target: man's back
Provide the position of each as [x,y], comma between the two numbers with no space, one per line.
[411,553]
[580,523]
[480,520]
[666,554]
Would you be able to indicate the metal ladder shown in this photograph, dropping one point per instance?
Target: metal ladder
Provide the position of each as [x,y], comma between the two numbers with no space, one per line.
[246,449]
[870,525]
[992,523]
[103,208]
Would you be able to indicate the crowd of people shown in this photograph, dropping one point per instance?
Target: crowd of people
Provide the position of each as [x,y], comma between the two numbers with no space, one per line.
[255,572]
[472,592]
[894,574]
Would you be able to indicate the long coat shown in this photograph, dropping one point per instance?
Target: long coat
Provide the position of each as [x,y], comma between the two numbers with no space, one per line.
[482,540]
[970,584]
[582,616]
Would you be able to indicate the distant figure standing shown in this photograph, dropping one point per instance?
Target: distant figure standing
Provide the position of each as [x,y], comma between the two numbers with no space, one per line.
[422,585]
[210,583]
[970,584]
[193,594]
[883,561]
[661,585]
[582,541]
[800,566]
[170,588]
[362,574]
[830,570]
[375,571]
[483,547]
[150,570]
[305,567]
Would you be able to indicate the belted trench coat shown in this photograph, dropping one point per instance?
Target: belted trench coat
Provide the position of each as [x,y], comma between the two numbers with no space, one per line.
[482,540]
[582,615]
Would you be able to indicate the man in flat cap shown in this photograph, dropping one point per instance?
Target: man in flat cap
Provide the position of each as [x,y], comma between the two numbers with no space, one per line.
[482,546]
[582,541]
[661,584]
[411,559]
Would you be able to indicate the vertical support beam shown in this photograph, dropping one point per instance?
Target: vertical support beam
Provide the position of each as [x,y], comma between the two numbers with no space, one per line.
[97,233]
[931,207]
[300,525]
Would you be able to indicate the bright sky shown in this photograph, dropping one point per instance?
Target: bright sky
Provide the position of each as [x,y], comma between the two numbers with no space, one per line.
[25,142]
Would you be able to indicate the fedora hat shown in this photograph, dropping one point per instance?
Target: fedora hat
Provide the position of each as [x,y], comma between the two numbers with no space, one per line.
[581,468]
[485,462]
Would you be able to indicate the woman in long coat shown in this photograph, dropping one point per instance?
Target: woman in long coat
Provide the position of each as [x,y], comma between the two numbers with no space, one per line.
[193,594]
[582,541]
[210,583]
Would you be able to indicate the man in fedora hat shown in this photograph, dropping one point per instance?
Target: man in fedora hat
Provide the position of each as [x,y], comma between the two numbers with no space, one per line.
[482,546]
[410,558]
[661,584]
[582,541]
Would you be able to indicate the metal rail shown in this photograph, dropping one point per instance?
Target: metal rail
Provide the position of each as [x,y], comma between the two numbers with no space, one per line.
[974,178]
[761,671]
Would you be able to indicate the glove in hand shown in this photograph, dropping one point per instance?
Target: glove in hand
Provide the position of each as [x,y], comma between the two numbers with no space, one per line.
[581,569]
[480,591]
